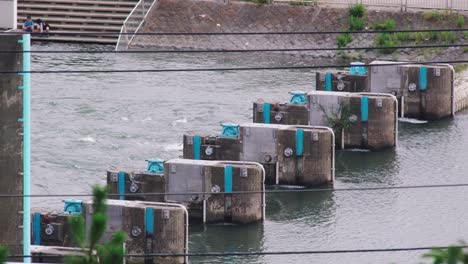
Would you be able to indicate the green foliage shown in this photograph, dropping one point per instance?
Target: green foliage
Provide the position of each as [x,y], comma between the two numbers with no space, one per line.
[390,24]
[357,10]
[448,37]
[433,15]
[111,252]
[356,23]
[339,120]
[3,254]
[451,255]
[460,21]
[417,37]
[344,39]
[387,41]
[402,36]
[461,67]
[452,37]
[303,2]
[434,35]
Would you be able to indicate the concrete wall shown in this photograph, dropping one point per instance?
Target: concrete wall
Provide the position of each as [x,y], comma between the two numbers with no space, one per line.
[8,14]
[11,145]
[218,16]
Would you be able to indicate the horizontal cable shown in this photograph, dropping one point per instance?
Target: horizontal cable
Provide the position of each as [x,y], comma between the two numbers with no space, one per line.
[274,68]
[234,50]
[239,33]
[252,192]
[263,253]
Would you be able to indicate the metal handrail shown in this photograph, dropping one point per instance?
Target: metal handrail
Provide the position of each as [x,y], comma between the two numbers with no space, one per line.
[455,5]
[126,35]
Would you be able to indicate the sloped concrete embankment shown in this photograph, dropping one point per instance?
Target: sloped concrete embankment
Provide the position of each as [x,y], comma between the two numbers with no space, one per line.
[217,16]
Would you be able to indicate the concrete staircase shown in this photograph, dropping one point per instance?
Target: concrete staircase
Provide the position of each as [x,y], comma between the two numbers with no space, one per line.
[78,17]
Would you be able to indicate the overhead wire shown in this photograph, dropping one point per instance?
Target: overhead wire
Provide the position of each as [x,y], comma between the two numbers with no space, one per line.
[233,50]
[265,68]
[242,33]
[262,253]
[272,191]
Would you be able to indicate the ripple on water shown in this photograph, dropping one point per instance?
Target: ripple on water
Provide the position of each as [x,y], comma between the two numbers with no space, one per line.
[136,116]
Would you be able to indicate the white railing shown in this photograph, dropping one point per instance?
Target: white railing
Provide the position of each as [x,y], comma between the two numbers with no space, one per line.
[133,23]
[460,5]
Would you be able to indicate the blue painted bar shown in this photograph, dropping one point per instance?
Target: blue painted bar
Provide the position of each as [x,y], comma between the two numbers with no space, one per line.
[37,228]
[299,142]
[228,179]
[196,147]
[149,220]
[328,82]
[121,185]
[26,146]
[266,113]
[423,78]
[364,109]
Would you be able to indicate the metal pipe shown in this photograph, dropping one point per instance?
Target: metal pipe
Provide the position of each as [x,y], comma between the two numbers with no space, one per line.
[26,147]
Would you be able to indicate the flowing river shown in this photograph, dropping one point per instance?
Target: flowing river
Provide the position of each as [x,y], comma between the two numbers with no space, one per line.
[84,123]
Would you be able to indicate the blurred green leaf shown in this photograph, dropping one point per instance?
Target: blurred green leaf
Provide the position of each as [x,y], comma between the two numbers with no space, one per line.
[3,254]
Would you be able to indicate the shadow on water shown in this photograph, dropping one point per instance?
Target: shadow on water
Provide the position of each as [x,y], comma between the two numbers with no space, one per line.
[369,167]
[312,207]
[226,238]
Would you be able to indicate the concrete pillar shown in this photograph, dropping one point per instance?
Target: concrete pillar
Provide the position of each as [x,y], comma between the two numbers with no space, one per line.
[11,143]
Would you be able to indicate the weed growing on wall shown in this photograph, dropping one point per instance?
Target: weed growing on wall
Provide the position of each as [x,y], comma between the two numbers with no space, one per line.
[460,21]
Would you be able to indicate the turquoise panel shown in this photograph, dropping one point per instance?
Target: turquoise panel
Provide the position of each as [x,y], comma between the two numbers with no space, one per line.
[364,109]
[423,78]
[266,113]
[299,142]
[228,179]
[121,185]
[196,147]
[149,220]
[328,81]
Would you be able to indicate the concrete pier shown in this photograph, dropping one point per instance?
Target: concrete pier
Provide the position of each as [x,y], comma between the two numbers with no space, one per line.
[359,120]
[198,177]
[121,182]
[424,92]
[296,155]
[150,228]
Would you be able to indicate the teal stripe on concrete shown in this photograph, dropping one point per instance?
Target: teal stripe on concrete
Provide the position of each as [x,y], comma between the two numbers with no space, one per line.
[37,228]
[423,78]
[149,220]
[228,179]
[328,81]
[121,185]
[196,147]
[266,113]
[26,41]
[364,109]
[299,142]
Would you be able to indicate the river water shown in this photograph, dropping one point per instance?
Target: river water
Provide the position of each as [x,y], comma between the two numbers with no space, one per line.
[84,123]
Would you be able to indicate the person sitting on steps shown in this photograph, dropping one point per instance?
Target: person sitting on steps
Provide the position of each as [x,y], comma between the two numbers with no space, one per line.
[28,24]
[43,26]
